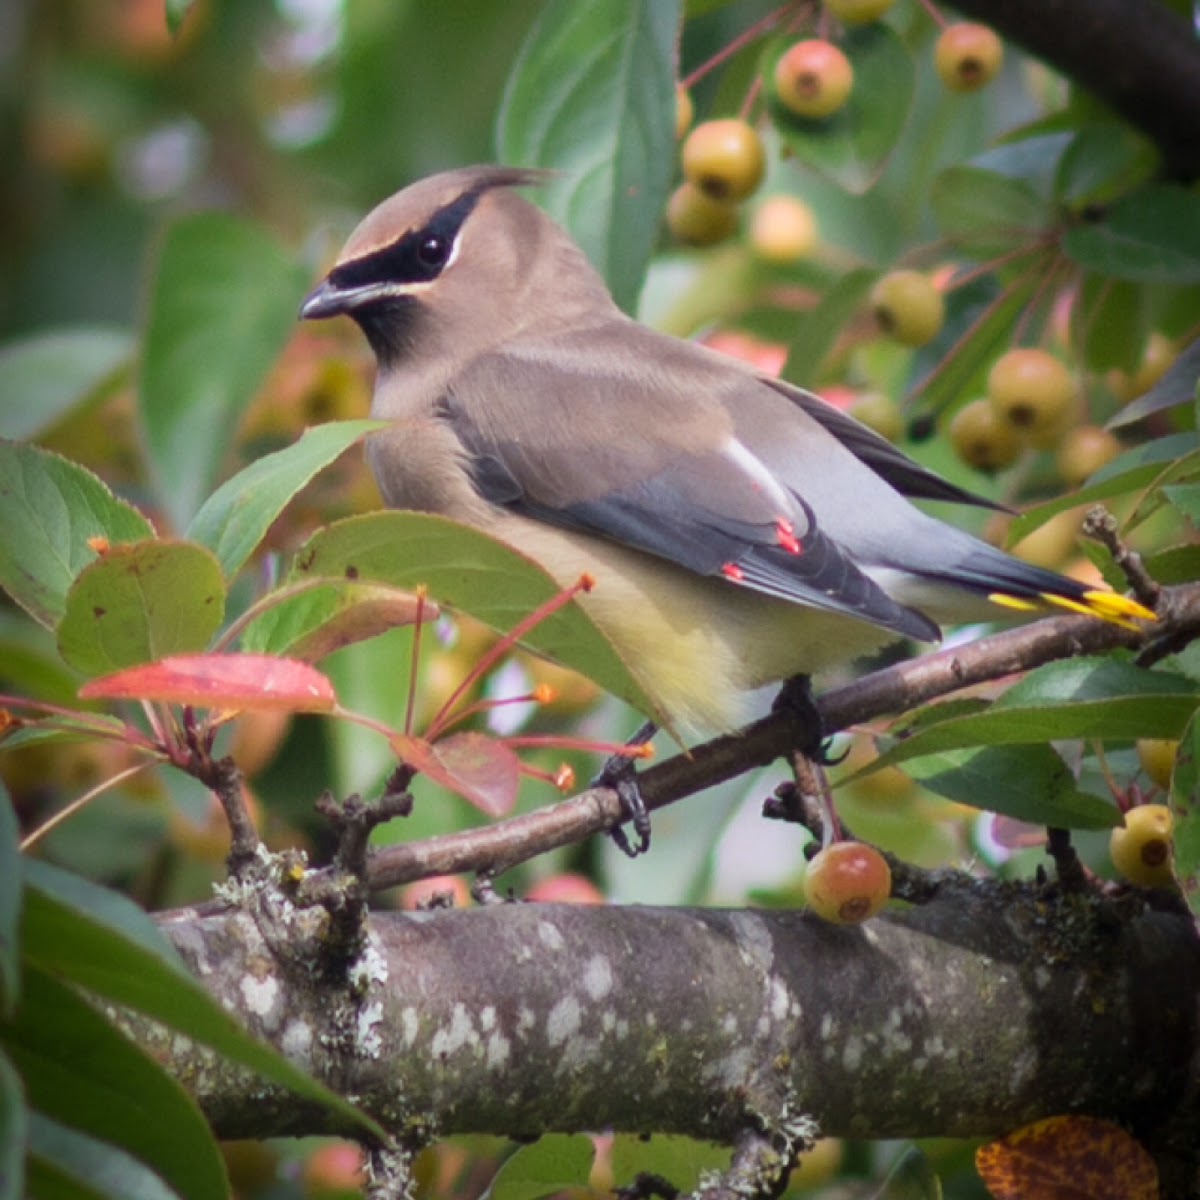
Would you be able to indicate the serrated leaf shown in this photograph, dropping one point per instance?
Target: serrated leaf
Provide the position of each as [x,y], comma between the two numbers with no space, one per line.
[82,1072]
[10,904]
[984,213]
[49,509]
[1152,236]
[1026,782]
[852,146]
[44,376]
[108,946]
[1064,1157]
[14,1123]
[141,602]
[332,614]
[246,682]
[554,1163]
[481,770]
[236,517]
[592,94]
[818,329]
[467,570]
[222,306]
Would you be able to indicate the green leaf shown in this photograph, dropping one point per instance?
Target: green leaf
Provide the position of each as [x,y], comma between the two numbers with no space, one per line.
[109,911]
[952,379]
[471,572]
[14,1121]
[1185,498]
[329,615]
[1101,163]
[682,1160]
[554,1163]
[236,517]
[1152,236]
[1174,457]
[1177,386]
[105,944]
[65,1164]
[82,1072]
[592,94]
[32,664]
[852,146]
[1185,800]
[49,508]
[1094,678]
[913,1177]
[10,904]
[819,328]
[177,12]
[223,303]
[1078,698]
[985,213]
[1109,323]
[1177,564]
[44,376]
[141,602]
[1029,783]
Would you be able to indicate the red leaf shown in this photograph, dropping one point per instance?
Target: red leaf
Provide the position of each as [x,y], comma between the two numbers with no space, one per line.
[1068,1158]
[237,681]
[484,772]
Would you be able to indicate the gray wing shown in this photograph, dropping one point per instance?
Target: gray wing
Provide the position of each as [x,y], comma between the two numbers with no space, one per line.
[582,434]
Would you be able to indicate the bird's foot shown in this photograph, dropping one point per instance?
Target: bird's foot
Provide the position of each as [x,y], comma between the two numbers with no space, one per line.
[796,698]
[620,774]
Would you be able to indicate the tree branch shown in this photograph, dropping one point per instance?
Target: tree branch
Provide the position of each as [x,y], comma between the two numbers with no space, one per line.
[1137,56]
[962,1017]
[893,690]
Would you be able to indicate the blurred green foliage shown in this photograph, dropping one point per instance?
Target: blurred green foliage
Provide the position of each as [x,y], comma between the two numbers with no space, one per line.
[166,197]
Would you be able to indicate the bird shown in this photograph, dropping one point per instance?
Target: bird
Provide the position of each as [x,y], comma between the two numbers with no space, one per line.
[739,530]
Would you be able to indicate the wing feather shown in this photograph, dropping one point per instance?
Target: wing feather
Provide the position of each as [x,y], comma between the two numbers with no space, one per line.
[673,485]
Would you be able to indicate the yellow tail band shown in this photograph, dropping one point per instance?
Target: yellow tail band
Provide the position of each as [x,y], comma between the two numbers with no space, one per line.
[1108,606]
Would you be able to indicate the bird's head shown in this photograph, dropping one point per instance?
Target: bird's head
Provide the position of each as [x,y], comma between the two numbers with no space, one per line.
[454,264]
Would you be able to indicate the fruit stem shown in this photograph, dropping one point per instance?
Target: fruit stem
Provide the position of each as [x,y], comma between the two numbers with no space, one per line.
[59,817]
[937,15]
[761,26]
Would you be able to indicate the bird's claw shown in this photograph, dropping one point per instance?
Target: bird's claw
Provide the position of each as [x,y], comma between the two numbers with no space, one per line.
[619,774]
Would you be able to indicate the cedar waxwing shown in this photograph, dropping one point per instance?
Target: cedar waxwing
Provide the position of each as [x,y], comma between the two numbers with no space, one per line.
[739,529]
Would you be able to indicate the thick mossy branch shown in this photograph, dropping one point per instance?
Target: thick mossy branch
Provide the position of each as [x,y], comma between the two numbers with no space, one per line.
[967,1016]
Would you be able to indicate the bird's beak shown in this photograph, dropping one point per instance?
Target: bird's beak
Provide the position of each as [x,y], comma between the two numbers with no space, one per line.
[325,300]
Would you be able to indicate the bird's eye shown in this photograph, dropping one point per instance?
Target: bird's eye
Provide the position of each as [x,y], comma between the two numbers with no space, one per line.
[433,250]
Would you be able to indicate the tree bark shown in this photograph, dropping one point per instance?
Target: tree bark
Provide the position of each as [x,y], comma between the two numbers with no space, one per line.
[986,1008]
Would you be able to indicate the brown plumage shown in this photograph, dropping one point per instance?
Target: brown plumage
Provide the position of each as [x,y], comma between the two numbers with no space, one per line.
[740,530]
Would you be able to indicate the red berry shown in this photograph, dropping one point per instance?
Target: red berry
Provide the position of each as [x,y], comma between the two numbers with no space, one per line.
[847,883]
[813,79]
